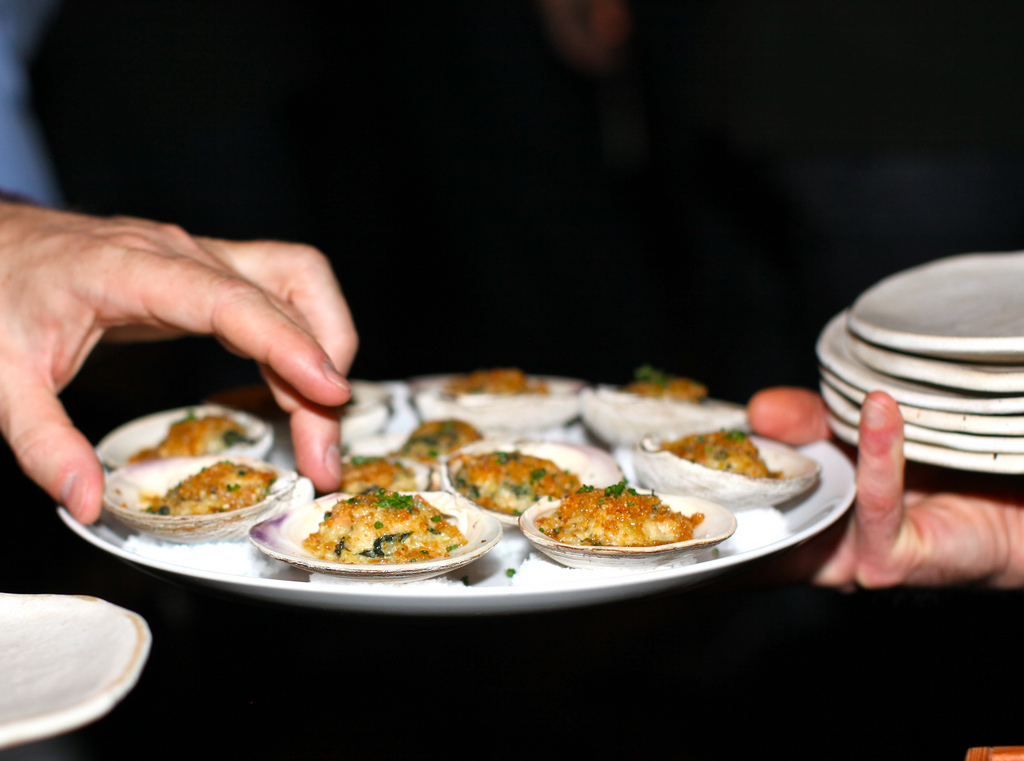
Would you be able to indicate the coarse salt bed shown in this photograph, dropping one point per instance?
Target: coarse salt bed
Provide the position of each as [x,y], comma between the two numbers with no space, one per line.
[755,527]
[237,557]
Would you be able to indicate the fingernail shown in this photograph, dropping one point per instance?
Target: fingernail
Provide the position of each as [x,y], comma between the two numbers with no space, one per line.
[71,494]
[332,374]
[872,414]
[332,461]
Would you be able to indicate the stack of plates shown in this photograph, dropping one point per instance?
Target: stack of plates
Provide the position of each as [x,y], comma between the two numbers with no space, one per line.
[946,341]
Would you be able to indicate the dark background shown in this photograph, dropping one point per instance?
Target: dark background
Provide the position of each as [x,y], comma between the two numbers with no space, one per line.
[751,169]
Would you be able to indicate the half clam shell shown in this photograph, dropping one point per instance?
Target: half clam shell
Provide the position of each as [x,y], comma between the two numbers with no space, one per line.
[367,412]
[623,419]
[282,538]
[718,525]
[499,413]
[664,471]
[591,465]
[128,488]
[120,445]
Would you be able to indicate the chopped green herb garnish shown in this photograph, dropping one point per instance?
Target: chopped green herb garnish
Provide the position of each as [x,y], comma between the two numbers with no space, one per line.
[647,374]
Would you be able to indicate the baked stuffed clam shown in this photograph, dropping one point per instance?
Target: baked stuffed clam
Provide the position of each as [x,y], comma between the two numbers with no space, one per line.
[622,527]
[201,499]
[730,467]
[655,403]
[193,431]
[502,400]
[361,474]
[379,537]
[505,477]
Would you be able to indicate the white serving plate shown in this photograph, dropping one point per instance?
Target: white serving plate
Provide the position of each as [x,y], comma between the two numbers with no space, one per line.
[509,579]
[960,307]
[65,660]
[833,350]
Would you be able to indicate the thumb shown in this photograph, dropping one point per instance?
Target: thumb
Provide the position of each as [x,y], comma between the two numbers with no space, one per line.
[788,414]
[49,449]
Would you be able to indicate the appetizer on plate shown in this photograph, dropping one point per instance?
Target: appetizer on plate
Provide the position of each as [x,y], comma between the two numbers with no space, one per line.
[384,527]
[731,467]
[506,477]
[434,439]
[364,474]
[619,526]
[499,400]
[616,516]
[386,536]
[655,402]
[187,432]
[200,499]
[426,446]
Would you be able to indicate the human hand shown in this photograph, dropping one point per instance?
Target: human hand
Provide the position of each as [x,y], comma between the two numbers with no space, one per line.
[948,528]
[589,35]
[68,280]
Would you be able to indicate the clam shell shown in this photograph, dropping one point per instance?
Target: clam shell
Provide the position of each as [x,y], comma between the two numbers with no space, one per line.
[384,445]
[281,538]
[497,413]
[122,498]
[424,474]
[591,465]
[718,525]
[622,419]
[368,411]
[118,446]
[664,471]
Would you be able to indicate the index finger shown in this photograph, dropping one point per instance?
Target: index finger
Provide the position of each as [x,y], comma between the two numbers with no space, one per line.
[304,285]
[182,293]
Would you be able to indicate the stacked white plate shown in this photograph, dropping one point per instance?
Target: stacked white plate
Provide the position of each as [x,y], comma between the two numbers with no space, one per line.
[946,341]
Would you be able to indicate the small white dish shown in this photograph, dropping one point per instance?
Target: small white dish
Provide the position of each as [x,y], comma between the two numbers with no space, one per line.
[990,378]
[622,419]
[959,422]
[499,413]
[718,525]
[282,537]
[834,353]
[65,661]
[666,472]
[590,465]
[120,445]
[964,307]
[849,413]
[126,488]
[930,454]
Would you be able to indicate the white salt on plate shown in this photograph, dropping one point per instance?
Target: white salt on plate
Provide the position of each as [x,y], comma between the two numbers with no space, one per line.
[238,557]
